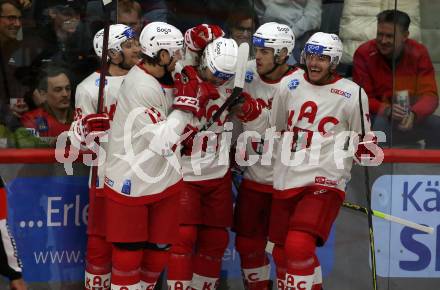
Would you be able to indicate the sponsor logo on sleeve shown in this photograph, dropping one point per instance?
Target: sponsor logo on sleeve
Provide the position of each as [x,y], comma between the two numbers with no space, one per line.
[293,84]
[249,76]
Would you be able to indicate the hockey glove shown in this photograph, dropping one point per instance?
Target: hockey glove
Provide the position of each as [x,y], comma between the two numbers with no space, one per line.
[95,125]
[187,143]
[207,92]
[186,85]
[198,37]
[250,108]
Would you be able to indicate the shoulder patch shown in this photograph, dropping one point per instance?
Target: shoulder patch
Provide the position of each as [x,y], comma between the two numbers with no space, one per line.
[249,77]
[293,84]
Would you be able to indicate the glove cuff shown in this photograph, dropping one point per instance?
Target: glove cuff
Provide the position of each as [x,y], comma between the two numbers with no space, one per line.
[186,103]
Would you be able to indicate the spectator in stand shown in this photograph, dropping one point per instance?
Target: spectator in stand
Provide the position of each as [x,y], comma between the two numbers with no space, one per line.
[155,10]
[241,24]
[302,16]
[10,24]
[185,14]
[55,115]
[68,39]
[373,66]
[130,14]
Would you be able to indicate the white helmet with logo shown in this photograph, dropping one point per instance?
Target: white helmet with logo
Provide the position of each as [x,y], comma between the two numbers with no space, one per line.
[220,56]
[118,34]
[160,35]
[276,36]
[322,43]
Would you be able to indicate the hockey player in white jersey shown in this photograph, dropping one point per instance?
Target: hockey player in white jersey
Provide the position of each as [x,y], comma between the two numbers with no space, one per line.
[206,199]
[123,53]
[320,117]
[274,43]
[143,173]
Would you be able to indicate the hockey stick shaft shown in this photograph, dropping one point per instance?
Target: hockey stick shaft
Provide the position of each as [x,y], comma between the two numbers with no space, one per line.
[368,198]
[106,6]
[391,218]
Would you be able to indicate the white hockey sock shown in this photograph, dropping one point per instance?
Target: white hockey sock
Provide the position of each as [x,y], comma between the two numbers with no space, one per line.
[299,282]
[179,285]
[257,274]
[97,282]
[204,283]
[317,276]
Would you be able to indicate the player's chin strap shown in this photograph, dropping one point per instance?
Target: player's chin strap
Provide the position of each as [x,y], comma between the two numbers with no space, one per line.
[368,197]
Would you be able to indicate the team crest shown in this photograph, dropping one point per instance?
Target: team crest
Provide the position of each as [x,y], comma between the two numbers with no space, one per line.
[249,77]
[293,84]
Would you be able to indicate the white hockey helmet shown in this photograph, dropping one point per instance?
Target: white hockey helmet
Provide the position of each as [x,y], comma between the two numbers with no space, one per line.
[118,34]
[276,36]
[160,35]
[220,56]
[322,43]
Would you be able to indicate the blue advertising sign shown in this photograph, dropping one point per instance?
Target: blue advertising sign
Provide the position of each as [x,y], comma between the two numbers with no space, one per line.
[48,218]
[402,251]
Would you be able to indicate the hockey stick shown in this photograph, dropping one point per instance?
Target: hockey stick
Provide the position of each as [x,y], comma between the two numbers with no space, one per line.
[240,74]
[106,6]
[391,218]
[368,197]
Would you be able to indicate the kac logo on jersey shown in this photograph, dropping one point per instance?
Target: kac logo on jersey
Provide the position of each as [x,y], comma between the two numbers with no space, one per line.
[293,84]
[126,187]
[340,92]
[249,76]
[97,82]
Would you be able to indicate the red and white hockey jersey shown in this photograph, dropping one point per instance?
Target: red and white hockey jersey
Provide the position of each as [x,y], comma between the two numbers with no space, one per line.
[263,91]
[210,153]
[142,165]
[315,148]
[86,102]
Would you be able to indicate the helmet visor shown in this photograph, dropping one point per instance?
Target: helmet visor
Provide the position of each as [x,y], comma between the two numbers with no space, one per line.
[222,75]
[258,41]
[314,49]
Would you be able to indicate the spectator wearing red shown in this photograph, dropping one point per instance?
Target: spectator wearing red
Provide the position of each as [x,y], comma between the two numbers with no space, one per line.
[373,65]
[55,115]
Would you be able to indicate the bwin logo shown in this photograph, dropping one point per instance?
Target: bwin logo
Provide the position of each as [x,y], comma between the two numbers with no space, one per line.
[164,30]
